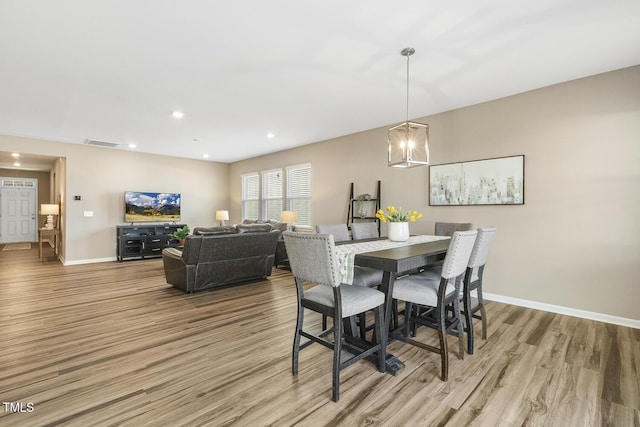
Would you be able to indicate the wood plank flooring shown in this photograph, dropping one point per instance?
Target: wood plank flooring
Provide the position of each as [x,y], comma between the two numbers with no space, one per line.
[112,344]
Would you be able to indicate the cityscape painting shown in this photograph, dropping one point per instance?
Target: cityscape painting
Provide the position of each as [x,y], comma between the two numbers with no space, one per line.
[480,182]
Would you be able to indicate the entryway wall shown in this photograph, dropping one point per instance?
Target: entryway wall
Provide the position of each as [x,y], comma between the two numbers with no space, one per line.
[44,185]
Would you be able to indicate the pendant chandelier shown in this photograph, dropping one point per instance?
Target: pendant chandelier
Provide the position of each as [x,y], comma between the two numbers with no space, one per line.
[408,141]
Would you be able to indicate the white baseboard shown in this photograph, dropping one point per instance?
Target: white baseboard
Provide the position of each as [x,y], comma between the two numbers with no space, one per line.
[606,318]
[89,261]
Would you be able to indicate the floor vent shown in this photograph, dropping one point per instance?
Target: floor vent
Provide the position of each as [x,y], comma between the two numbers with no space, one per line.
[101,143]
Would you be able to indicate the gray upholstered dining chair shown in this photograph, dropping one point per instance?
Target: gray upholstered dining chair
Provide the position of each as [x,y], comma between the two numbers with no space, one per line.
[340,232]
[471,292]
[312,259]
[364,230]
[447,228]
[433,296]
[472,288]
[362,276]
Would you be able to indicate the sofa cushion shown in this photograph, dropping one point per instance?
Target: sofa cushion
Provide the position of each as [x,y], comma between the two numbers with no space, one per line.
[208,231]
[253,228]
[277,225]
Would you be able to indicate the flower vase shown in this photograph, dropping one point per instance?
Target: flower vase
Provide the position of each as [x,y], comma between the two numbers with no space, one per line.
[398,231]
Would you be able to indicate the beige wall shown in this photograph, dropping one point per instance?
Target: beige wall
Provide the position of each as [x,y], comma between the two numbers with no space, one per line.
[576,241]
[101,176]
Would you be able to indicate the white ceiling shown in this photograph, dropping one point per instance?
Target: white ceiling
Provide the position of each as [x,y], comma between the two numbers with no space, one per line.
[114,70]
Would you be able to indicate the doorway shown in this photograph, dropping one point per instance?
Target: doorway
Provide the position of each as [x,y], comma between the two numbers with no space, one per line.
[18,214]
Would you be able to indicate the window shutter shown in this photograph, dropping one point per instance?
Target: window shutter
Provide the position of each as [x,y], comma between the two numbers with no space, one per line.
[250,196]
[272,194]
[299,192]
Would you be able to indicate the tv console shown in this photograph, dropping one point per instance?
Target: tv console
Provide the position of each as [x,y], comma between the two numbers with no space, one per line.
[145,241]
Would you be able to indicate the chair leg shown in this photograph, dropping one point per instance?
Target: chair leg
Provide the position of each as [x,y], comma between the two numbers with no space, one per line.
[484,322]
[362,320]
[296,340]
[459,327]
[337,350]
[460,341]
[324,322]
[484,314]
[408,311]
[444,350]
[444,354]
[468,315]
[394,308]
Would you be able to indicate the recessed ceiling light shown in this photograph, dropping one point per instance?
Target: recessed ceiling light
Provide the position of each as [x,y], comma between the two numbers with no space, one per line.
[270,135]
[16,155]
[132,145]
[177,114]
[206,156]
[16,164]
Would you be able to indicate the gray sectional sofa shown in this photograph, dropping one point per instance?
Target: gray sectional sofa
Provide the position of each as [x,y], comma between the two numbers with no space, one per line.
[219,256]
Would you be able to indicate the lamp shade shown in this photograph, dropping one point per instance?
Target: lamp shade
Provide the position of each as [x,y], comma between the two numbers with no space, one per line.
[289,217]
[409,145]
[222,215]
[49,209]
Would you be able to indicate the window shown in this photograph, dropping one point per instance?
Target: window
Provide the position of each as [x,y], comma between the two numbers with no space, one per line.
[251,196]
[272,194]
[299,192]
[266,194]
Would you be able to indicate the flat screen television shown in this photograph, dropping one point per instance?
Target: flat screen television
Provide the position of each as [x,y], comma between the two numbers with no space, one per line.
[151,207]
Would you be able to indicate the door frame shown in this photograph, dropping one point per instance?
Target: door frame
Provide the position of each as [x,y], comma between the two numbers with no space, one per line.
[20,183]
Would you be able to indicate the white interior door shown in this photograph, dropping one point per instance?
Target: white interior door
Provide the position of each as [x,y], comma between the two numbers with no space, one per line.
[18,217]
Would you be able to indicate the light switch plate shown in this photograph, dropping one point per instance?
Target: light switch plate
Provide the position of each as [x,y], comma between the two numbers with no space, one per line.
[88,213]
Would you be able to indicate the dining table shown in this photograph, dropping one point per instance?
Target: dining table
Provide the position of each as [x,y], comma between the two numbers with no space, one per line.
[395,259]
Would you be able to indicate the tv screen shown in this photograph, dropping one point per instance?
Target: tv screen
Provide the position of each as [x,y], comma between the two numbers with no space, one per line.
[148,207]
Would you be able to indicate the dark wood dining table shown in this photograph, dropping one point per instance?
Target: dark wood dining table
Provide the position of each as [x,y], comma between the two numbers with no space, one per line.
[395,262]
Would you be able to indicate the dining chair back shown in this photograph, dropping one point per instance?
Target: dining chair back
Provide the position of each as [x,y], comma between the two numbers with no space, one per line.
[362,276]
[436,298]
[472,289]
[364,230]
[448,228]
[340,232]
[312,259]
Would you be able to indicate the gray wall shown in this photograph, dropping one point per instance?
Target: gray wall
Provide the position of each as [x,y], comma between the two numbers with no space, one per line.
[576,241]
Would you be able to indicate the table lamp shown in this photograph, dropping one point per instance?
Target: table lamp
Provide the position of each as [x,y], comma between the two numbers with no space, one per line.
[222,216]
[289,218]
[50,211]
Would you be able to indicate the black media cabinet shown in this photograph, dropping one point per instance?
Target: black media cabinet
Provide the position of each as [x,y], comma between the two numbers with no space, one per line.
[145,241]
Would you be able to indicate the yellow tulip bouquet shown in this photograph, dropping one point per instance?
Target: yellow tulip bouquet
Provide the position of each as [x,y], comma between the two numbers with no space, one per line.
[396,215]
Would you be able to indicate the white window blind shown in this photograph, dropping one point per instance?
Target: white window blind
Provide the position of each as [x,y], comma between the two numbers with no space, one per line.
[272,194]
[299,192]
[251,196]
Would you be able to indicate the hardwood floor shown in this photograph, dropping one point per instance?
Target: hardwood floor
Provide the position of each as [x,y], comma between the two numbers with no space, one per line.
[112,344]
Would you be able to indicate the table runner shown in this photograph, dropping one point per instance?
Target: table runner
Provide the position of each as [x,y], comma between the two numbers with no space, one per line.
[346,253]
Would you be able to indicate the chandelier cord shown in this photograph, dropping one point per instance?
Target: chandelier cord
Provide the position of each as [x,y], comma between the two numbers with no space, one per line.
[408,88]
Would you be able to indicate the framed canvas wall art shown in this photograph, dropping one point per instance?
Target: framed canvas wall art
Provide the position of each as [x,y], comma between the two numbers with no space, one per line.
[498,181]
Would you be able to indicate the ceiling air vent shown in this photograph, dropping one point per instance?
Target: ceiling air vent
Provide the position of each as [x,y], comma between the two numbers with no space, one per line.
[101,143]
